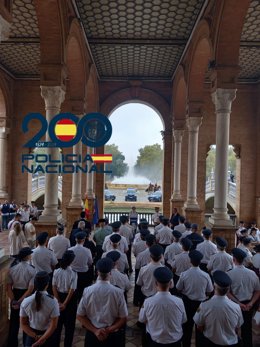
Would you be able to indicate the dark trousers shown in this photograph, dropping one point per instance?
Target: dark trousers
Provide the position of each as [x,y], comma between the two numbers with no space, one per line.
[203,267]
[129,258]
[173,290]
[15,320]
[85,279]
[163,246]
[29,341]
[137,290]
[116,339]
[99,252]
[5,220]
[246,328]
[191,307]
[49,289]
[151,343]
[68,319]
[205,342]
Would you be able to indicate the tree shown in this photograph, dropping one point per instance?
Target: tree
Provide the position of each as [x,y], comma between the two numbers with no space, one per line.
[118,167]
[210,164]
[150,162]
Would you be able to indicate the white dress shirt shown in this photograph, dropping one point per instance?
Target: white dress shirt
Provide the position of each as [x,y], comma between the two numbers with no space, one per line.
[139,247]
[127,232]
[16,242]
[120,280]
[256,261]
[21,276]
[164,236]
[43,259]
[107,246]
[59,245]
[83,258]
[180,227]
[220,261]
[146,279]
[171,251]
[163,326]
[181,263]
[207,248]
[122,263]
[65,279]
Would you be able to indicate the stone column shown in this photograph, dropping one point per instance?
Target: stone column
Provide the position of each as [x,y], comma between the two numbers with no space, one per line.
[53,98]
[3,155]
[222,99]
[90,178]
[193,124]
[177,135]
[76,199]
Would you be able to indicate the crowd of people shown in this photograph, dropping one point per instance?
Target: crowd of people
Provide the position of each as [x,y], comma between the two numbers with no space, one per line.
[182,279]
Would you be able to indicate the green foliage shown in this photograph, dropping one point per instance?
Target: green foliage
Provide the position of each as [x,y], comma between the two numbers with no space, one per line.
[150,162]
[212,157]
[118,167]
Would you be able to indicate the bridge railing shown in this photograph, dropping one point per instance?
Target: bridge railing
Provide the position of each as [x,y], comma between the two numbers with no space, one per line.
[39,183]
[232,190]
[115,216]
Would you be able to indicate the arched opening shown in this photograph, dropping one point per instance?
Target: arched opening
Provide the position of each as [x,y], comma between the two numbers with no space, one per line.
[138,158]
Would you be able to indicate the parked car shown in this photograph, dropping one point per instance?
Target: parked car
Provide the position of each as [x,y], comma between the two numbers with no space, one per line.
[156,196]
[109,196]
[131,194]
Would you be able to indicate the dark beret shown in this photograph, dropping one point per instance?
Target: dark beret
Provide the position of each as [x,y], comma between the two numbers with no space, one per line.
[247,240]
[42,237]
[195,255]
[165,220]
[113,255]
[156,250]
[206,232]
[161,218]
[80,235]
[194,226]
[123,219]
[101,220]
[24,252]
[68,256]
[186,242]
[238,253]
[115,238]
[176,234]
[187,225]
[163,274]
[221,242]
[116,225]
[221,279]
[41,279]
[144,232]
[150,238]
[104,265]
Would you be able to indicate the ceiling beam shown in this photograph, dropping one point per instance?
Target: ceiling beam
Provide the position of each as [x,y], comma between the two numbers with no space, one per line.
[137,41]
[249,43]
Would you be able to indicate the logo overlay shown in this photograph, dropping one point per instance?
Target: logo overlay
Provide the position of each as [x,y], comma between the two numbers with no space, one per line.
[65,130]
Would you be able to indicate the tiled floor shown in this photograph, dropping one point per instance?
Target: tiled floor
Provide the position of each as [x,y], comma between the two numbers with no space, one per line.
[133,333]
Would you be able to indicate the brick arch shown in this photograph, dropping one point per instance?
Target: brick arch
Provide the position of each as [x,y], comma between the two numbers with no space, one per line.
[179,99]
[92,91]
[53,27]
[200,55]
[77,63]
[6,100]
[144,96]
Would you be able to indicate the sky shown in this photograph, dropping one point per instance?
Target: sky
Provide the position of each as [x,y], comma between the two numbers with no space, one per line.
[134,126]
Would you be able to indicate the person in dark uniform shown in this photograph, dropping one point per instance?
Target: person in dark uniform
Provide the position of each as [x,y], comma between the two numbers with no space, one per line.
[164,314]
[39,314]
[19,285]
[174,220]
[103,311]
[82,218]
[80,227]
[194,237]
[245,291]
[219,319]
[64,285]
[195,285]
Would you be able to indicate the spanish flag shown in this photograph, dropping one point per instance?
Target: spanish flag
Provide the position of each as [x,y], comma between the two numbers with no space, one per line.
[87,211]
[65,130]
[102,158]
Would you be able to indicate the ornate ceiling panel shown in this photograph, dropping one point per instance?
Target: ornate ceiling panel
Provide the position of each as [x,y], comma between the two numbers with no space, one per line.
[25,22]
[249,60]
[138,38]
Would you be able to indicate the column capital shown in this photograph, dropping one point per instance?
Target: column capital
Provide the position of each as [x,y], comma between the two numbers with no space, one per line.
[177,135]
[193,123]
[4,29]
[222,98]
[53,96]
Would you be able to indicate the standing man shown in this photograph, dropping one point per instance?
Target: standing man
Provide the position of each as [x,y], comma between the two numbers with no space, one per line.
[245,291]
[156,215]
[5,210]
[59,244]
[174,249]
[30,232]
[181,226]
[123,242]
[99,237]
[207,248]
[219,319]
[164,236]
[102,310]
[195,237]
[174,218]
[221,260]
[127,231]
[163,313]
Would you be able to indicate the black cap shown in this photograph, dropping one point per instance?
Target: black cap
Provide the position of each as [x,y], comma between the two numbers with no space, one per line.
[41,280]
[206,232]
[161,218]
[144,232]
[156,250]
[101,220]
[239,254]
[68,256]
[80,235]
[221,279]
[116,225]
[165,220]
[186,242]
[195,255]
[176,234]
[113,255]
[150,238]
[257,248]
[187,225]
[221,242]
[194,226]
[246,240]
[42,237]
[24,252]
[104,265]
[115,238]
[163,274]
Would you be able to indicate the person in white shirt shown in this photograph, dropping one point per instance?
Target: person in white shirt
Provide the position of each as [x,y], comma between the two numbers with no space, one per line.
[107,246]
[127,231]
[30,232]
[245,245]
[103,311]
[187,231]
[219,319]
[221,260]
[59,243]
[25,213]
[173,249]
[164,236]
[123,265]
[156,215]
[256,260]
[181,261]
[159,226]
[181,226]
[207,248]
[140,245]
[33,210]
[17,240]
[164,314]
[15,220]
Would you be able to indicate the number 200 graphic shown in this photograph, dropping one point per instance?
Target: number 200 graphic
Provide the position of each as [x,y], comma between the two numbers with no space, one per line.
[66,130]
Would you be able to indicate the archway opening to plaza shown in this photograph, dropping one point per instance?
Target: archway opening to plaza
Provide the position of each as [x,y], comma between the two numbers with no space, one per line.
[137,169]
[232,178]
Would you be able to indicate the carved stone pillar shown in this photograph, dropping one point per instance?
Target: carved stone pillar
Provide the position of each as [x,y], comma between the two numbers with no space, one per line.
[3,155]
[222,99]
[177,135]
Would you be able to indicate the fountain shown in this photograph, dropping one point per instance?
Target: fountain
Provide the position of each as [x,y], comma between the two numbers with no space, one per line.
[130,180]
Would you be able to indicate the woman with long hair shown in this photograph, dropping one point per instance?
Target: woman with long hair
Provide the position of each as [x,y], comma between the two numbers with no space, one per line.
[39,314]
[17,240]
[64,284]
